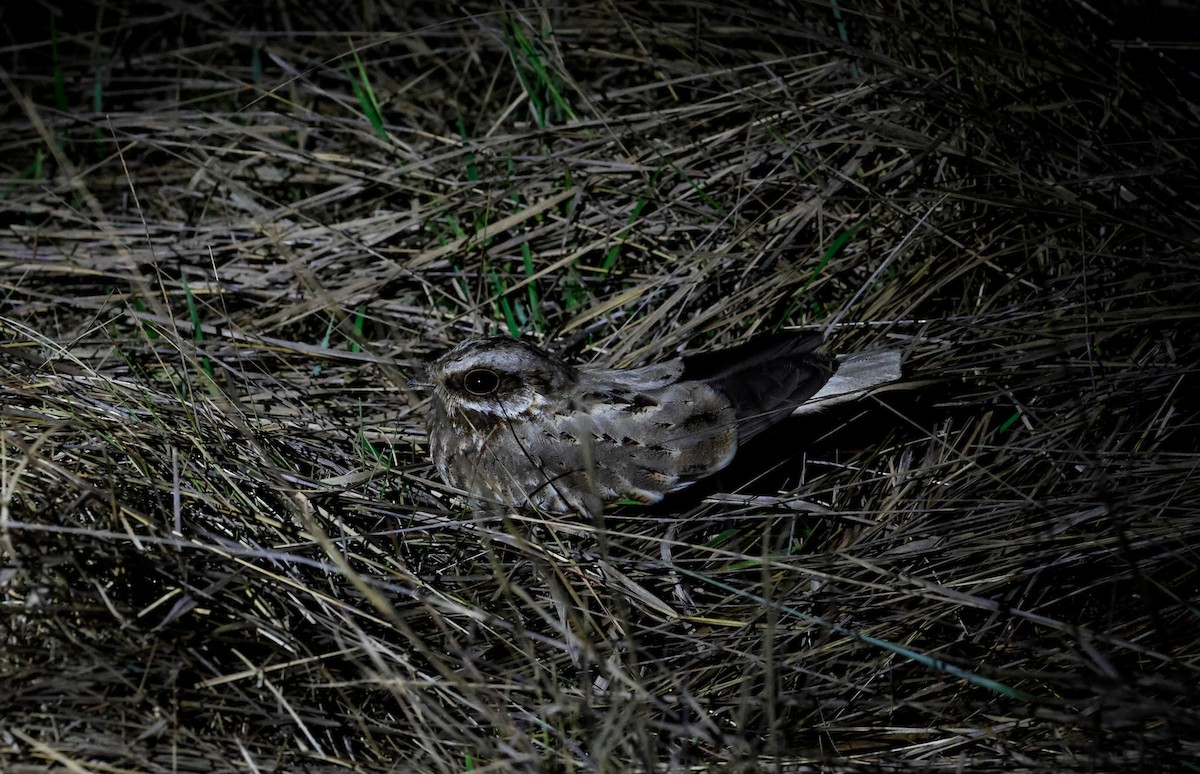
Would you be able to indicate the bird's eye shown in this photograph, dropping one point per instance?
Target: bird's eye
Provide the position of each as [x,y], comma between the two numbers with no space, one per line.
[481,381]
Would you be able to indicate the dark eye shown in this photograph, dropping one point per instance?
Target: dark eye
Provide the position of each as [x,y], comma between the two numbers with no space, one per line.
[481,381]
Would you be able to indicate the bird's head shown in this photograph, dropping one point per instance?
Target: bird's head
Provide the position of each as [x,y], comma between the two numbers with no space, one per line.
[498,377]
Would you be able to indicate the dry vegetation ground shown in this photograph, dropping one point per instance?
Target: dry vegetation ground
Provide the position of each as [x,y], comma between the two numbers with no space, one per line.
[230,234]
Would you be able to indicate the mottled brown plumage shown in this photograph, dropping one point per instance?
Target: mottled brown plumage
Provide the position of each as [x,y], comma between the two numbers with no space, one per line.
[513,425]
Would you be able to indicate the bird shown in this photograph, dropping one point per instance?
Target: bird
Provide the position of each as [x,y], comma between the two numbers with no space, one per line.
[514,426]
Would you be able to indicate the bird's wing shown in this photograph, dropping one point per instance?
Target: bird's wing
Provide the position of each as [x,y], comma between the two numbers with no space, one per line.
[651,377]
[765,379]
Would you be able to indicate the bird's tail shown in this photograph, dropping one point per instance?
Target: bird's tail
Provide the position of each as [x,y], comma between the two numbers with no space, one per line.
[855,376]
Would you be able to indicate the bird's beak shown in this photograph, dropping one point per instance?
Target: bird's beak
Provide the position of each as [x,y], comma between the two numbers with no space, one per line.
[419,382]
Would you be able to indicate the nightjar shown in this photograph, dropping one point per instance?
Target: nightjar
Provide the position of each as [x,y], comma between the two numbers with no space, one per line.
[514,425]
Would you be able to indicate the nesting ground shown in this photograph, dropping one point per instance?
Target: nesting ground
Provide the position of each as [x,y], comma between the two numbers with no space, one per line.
[229,235]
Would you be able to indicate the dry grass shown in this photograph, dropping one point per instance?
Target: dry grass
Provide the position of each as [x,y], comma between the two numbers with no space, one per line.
[229,236]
